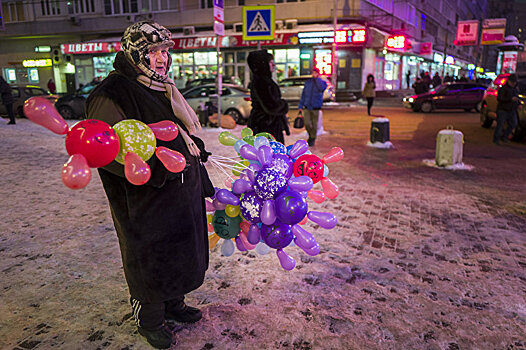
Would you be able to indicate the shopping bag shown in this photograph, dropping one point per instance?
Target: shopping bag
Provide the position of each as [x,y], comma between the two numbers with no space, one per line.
[298,122]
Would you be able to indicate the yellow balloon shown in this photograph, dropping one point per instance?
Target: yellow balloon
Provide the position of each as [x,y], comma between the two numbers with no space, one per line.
[232,210]
[209,218]
[212,240]
[239,167]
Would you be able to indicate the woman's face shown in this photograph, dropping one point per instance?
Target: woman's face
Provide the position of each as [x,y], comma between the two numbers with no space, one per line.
[159,59]
[272,66]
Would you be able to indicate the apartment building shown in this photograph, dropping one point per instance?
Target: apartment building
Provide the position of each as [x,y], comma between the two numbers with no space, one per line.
[74,41]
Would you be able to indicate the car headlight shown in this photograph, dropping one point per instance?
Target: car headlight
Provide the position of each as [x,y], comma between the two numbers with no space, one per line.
[410,100]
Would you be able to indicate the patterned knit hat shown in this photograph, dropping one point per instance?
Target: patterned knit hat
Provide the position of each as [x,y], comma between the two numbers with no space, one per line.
[139,39]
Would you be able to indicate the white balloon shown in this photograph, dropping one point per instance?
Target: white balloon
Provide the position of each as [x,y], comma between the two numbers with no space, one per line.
[262,248]
[227,248]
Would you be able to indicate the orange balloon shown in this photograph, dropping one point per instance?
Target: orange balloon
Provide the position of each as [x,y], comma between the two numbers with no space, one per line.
[41,111]
[165,130]
[304,221]
[212,241]
[317,196]
[135,169]
[172,160]
[76,173]
[329,188]
[334,155]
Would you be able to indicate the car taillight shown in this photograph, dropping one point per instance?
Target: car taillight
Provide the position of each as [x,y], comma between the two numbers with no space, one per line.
[247,99]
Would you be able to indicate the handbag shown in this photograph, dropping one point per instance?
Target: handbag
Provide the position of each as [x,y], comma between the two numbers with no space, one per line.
[298,122]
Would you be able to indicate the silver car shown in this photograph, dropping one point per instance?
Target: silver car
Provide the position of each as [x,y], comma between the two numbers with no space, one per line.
[21,93]
[235,100]
[292,87]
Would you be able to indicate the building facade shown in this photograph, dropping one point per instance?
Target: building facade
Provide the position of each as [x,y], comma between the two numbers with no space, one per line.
[75,41]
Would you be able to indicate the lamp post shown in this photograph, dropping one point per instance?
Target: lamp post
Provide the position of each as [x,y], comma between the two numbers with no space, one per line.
[334,76]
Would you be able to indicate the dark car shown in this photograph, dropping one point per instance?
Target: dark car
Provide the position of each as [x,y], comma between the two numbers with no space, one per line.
[488,112]
[21,93]
[458,95]
[73,106]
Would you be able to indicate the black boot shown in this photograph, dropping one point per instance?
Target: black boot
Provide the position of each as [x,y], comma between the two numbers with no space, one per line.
[182,313]
[159,338]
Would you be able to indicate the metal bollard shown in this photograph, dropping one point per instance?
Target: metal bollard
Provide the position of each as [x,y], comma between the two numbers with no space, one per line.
[449,147]
[379,130]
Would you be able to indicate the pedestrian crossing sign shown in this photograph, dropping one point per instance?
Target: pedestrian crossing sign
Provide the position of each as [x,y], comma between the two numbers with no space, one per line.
[258,22]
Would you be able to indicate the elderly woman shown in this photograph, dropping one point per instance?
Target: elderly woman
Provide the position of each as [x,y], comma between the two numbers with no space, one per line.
[161,226]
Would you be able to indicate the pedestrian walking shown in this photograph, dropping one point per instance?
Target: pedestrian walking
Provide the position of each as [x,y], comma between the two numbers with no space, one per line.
[426,81]
[448,78]
[507,104]
[269,110]
[408,79]
[7,99]
[418,86]
[369,92]
[436,80]
[312,100]
[51,86]
[161,225]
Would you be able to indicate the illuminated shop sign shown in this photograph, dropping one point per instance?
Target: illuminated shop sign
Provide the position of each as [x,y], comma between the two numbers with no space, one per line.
[354,36]
[396,42]
[323,61]
[44,62]
[348,36]
[85,48]
[449,60]
[232,41]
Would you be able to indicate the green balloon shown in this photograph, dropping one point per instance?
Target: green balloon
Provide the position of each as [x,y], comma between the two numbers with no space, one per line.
[267,135]
[225,226]
[226,138]
[246,132]
[249,140]
[136,137]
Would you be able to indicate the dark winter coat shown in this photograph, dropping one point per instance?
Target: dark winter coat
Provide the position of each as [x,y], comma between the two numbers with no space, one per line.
[161,225]
[268,108]
[505,98]
[312,94]
[5,92]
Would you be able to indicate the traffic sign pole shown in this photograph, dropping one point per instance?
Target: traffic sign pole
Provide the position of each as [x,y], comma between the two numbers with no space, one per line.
[219,29]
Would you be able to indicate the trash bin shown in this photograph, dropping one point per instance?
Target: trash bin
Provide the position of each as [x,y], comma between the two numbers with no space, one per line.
[449,147]
[379,130]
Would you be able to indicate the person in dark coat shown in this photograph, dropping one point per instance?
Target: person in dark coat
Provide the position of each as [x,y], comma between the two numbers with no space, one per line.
[161,225]
[7,99]
[51,86]
[507,104]
[419,86]
[436,80]
[269,110]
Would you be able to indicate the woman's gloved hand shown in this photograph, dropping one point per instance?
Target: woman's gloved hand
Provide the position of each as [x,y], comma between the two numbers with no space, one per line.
[204,154]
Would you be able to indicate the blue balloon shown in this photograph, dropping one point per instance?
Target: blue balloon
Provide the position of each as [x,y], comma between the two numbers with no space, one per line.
[260,141]
[238,145]
[278,147]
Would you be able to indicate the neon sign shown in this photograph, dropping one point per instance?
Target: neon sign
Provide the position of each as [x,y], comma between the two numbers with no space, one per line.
[396,42]
[44,62]
[323,61]
[354,36]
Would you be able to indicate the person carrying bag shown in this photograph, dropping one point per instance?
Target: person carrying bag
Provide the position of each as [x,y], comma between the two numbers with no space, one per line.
[299,122]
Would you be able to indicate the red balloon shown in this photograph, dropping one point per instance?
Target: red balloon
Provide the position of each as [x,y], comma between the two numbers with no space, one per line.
[172,160]
[334,155]
[135,169]
[76,173]
[317,196]
[309,165]
[329,188]
[41,111]
[165,130]
[95,140]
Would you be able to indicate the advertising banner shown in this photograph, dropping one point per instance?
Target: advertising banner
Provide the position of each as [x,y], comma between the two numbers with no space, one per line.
[467,33]
[426,48]
[493,31]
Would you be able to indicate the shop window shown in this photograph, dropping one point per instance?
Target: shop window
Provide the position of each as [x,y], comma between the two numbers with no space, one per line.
[241,56]
[201,57]
[10,75]
[33,75]
[188,58]
[177,58]
[280,56]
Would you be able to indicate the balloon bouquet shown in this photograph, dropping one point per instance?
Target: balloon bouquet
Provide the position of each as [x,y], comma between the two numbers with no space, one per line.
[266,206]
[93,143]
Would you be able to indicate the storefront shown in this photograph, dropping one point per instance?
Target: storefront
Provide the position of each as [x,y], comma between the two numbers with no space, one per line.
[34,71]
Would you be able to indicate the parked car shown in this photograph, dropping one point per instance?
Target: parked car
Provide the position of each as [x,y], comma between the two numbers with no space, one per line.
[235,100]
[73,106]
[488,111]
[21,93]
[204,81]
[292,87]
[457,95]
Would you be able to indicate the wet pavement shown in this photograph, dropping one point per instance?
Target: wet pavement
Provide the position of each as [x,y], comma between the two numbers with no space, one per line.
[422,258]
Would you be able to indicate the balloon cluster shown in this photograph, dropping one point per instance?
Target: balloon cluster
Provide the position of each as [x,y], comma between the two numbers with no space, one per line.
[267,205]
[93,143]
